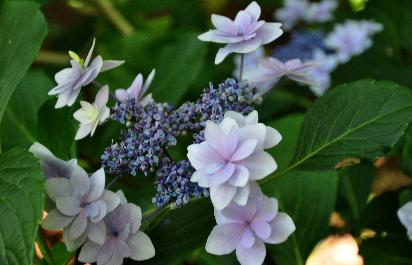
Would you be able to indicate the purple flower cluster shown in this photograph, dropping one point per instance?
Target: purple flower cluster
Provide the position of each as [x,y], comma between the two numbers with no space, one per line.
[153,128]
[301,45]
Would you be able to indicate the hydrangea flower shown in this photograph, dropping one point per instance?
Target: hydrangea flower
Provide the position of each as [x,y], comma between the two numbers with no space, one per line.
[52,166]
[321,11]
[230,157]
[80,74]
[321,73]
[352,38]
[137,90]
[245,34]
[292,12]
[405,216]
[123,238]
[247,228]
[91,115]
[81,205]
[272,70]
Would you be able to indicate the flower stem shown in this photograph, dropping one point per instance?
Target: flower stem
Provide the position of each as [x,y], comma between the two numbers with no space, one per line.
[44,249]
[242,59]
[118,20]
[112,182]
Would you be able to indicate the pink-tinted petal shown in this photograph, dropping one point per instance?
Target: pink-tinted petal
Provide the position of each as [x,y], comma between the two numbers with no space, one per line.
[282,227]
[267,209]
[141,246]
[272,138]
[244,150]
[224,238]
[242,195]
[202,154]
[222,175]
[102,96]
[254,10]
[111,199]
[231,142]
[222,195]
[96,210]
[213,167]
[215,137]
[252,118]
[253,131]
[251,256]
[136,88]
[261,228]
[237,213]
[97,181]
[248,238]
[269,32]
[239,118]
[96,232]
[135,217]
[222,53]
[260,165]
[121,94]
[224,24]
[243,20]
[240,177]
[80,181]
[200,178]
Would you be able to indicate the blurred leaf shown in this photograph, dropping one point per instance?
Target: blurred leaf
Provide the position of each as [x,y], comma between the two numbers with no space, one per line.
[389,250]
[181,232]
[309,198]
[57,128]
[19,125]
[363,119]
[355,185]
[205,258]
[22,195]
[177,68]
[405,196]
[289,128]
[23,29]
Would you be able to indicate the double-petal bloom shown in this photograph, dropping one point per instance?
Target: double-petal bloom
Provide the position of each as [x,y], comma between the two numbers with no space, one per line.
[232,156]
[137,90]
[123,238]
[81,205]
[405,216]
[247,228]
[245,34]
[80,74]
[91,115]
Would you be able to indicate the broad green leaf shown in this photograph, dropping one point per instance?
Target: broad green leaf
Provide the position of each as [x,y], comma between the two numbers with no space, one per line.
[205,258]
[59,254]
[363,119]
[309,198]
[181,232]
[389,250]
[177,68]
[23,29]
[355,185]
[19,125]
[57,129]
[21,196]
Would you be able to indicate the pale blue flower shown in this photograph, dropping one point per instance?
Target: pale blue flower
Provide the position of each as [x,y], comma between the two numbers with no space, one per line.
[91,115]
[247,228]
[405,216]
[137,90]
[321,73]
[80,74]
[81,205]
[123,238]
[231,156]
[321,11]
[292,12]
[245,34]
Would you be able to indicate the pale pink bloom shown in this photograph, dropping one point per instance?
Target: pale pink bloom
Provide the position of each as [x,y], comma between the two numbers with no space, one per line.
[245,34]
[137,90]
[247,228]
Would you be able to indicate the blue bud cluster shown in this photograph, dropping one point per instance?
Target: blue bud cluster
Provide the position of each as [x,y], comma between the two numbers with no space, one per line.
[150,130]
[301,45]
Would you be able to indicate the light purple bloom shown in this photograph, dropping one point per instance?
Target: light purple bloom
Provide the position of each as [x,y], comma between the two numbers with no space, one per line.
[245,34]
[52,166]
[137,90]
[71,80]
[272,70]
[81,205]
[405,216]
[321,11]
[231,156]
[292,12]
[247,228]
[250,63]
[91,115]
[123,238]
[321,73]
[352,38]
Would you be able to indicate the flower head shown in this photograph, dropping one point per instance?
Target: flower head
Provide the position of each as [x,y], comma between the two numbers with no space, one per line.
[247,228]
[405,216]
[137,90]
[123,238]
[352,38]
[80,74]
[292,12]
[321,11]
[81,205]
[244,34]
[272,70]
[231,156]
[91,115]
[52,166]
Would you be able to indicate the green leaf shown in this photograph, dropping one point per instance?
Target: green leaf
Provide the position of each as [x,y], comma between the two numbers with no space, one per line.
[177,68]
[309,198]
[389,250]
[359,120]
[59,254]
[181,232]
[355,185]
[19,125]
[23,29]
[57,129]
[21,196]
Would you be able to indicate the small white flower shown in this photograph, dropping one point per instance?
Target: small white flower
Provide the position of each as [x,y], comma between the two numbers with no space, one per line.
[80,74]
[91,115]
[405,216]
[137,90]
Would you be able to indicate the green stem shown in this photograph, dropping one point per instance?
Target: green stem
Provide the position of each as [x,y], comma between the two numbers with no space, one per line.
[44,249]
[118,20]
